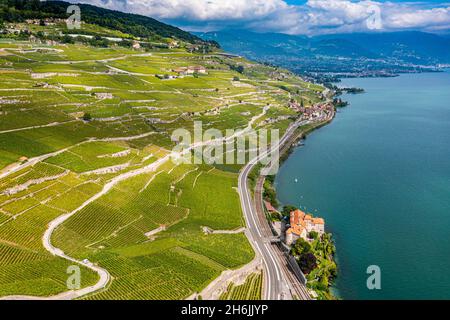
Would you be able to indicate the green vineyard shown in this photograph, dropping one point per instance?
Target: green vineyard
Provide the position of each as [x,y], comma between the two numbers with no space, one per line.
[250,290]
[86,135]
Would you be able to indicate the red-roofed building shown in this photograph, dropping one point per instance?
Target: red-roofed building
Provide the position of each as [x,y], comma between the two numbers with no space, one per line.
[301,224]
[269,207]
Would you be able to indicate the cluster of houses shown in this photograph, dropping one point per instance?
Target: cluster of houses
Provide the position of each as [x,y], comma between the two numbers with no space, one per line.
[300,225]
[184,71]
[45,22]
[273,120]
[16,29]
[278,76]
[313,112]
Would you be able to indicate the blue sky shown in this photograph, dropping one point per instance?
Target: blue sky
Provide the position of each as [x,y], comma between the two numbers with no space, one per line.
[298,2]
[308,17]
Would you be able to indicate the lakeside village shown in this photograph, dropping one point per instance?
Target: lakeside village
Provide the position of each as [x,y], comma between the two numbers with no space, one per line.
[303,235]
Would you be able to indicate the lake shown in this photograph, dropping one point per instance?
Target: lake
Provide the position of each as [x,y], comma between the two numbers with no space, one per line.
[379,175]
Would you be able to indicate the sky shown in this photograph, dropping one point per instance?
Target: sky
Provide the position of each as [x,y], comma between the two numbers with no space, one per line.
[307,17]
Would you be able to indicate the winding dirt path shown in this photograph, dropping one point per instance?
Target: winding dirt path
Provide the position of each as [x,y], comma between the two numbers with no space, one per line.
[104,275]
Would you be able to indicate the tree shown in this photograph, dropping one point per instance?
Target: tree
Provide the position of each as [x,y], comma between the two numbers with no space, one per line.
[125,43]
[313,235]
[287,210]
[235,78]
[87,116]
[271,179]
[271,196]
[332,269]
[67,39]
[307,262]
[300,247]
[328,244]
[275,216]
[239,68]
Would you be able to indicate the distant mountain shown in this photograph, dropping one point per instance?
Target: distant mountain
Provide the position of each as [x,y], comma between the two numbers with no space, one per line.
[415,47]
[136,25]
[339,53]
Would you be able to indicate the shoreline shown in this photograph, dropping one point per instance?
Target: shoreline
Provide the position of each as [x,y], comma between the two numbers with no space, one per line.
[285,151]
[364,122]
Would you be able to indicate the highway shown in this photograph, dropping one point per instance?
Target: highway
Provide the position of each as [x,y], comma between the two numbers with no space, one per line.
[276,281]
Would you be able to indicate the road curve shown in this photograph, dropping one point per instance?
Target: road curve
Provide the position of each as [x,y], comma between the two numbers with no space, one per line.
[276,287]
[103,273]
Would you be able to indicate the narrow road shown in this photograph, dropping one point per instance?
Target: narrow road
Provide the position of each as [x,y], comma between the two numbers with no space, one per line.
[103,273]
[276,286]
[48,125]
[280,282]
[297,289]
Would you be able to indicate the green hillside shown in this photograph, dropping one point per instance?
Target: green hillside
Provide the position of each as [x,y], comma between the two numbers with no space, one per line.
[85,130]
[136,25]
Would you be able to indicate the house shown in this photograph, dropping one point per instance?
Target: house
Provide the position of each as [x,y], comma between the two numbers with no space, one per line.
[173,44]
[269,207]
[136,45]
[181,71]
[51,42]
[198,69]
[301,224]
[104,95]
[295,232]
[33,21]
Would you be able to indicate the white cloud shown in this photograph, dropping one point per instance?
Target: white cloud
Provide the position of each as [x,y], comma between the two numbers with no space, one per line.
[429,19]
[316,16]
[196,9]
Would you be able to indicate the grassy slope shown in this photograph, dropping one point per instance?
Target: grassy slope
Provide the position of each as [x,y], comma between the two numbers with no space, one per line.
[251,289]
[110,231]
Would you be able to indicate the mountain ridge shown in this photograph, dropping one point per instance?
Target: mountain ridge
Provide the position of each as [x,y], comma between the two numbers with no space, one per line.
[395,51]
[136,25]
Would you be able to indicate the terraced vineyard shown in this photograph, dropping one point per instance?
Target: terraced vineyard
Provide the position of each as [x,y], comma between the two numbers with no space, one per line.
[250,290]
[87,132]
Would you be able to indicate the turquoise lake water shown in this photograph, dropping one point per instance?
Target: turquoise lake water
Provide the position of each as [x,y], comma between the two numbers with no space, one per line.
[380,176]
